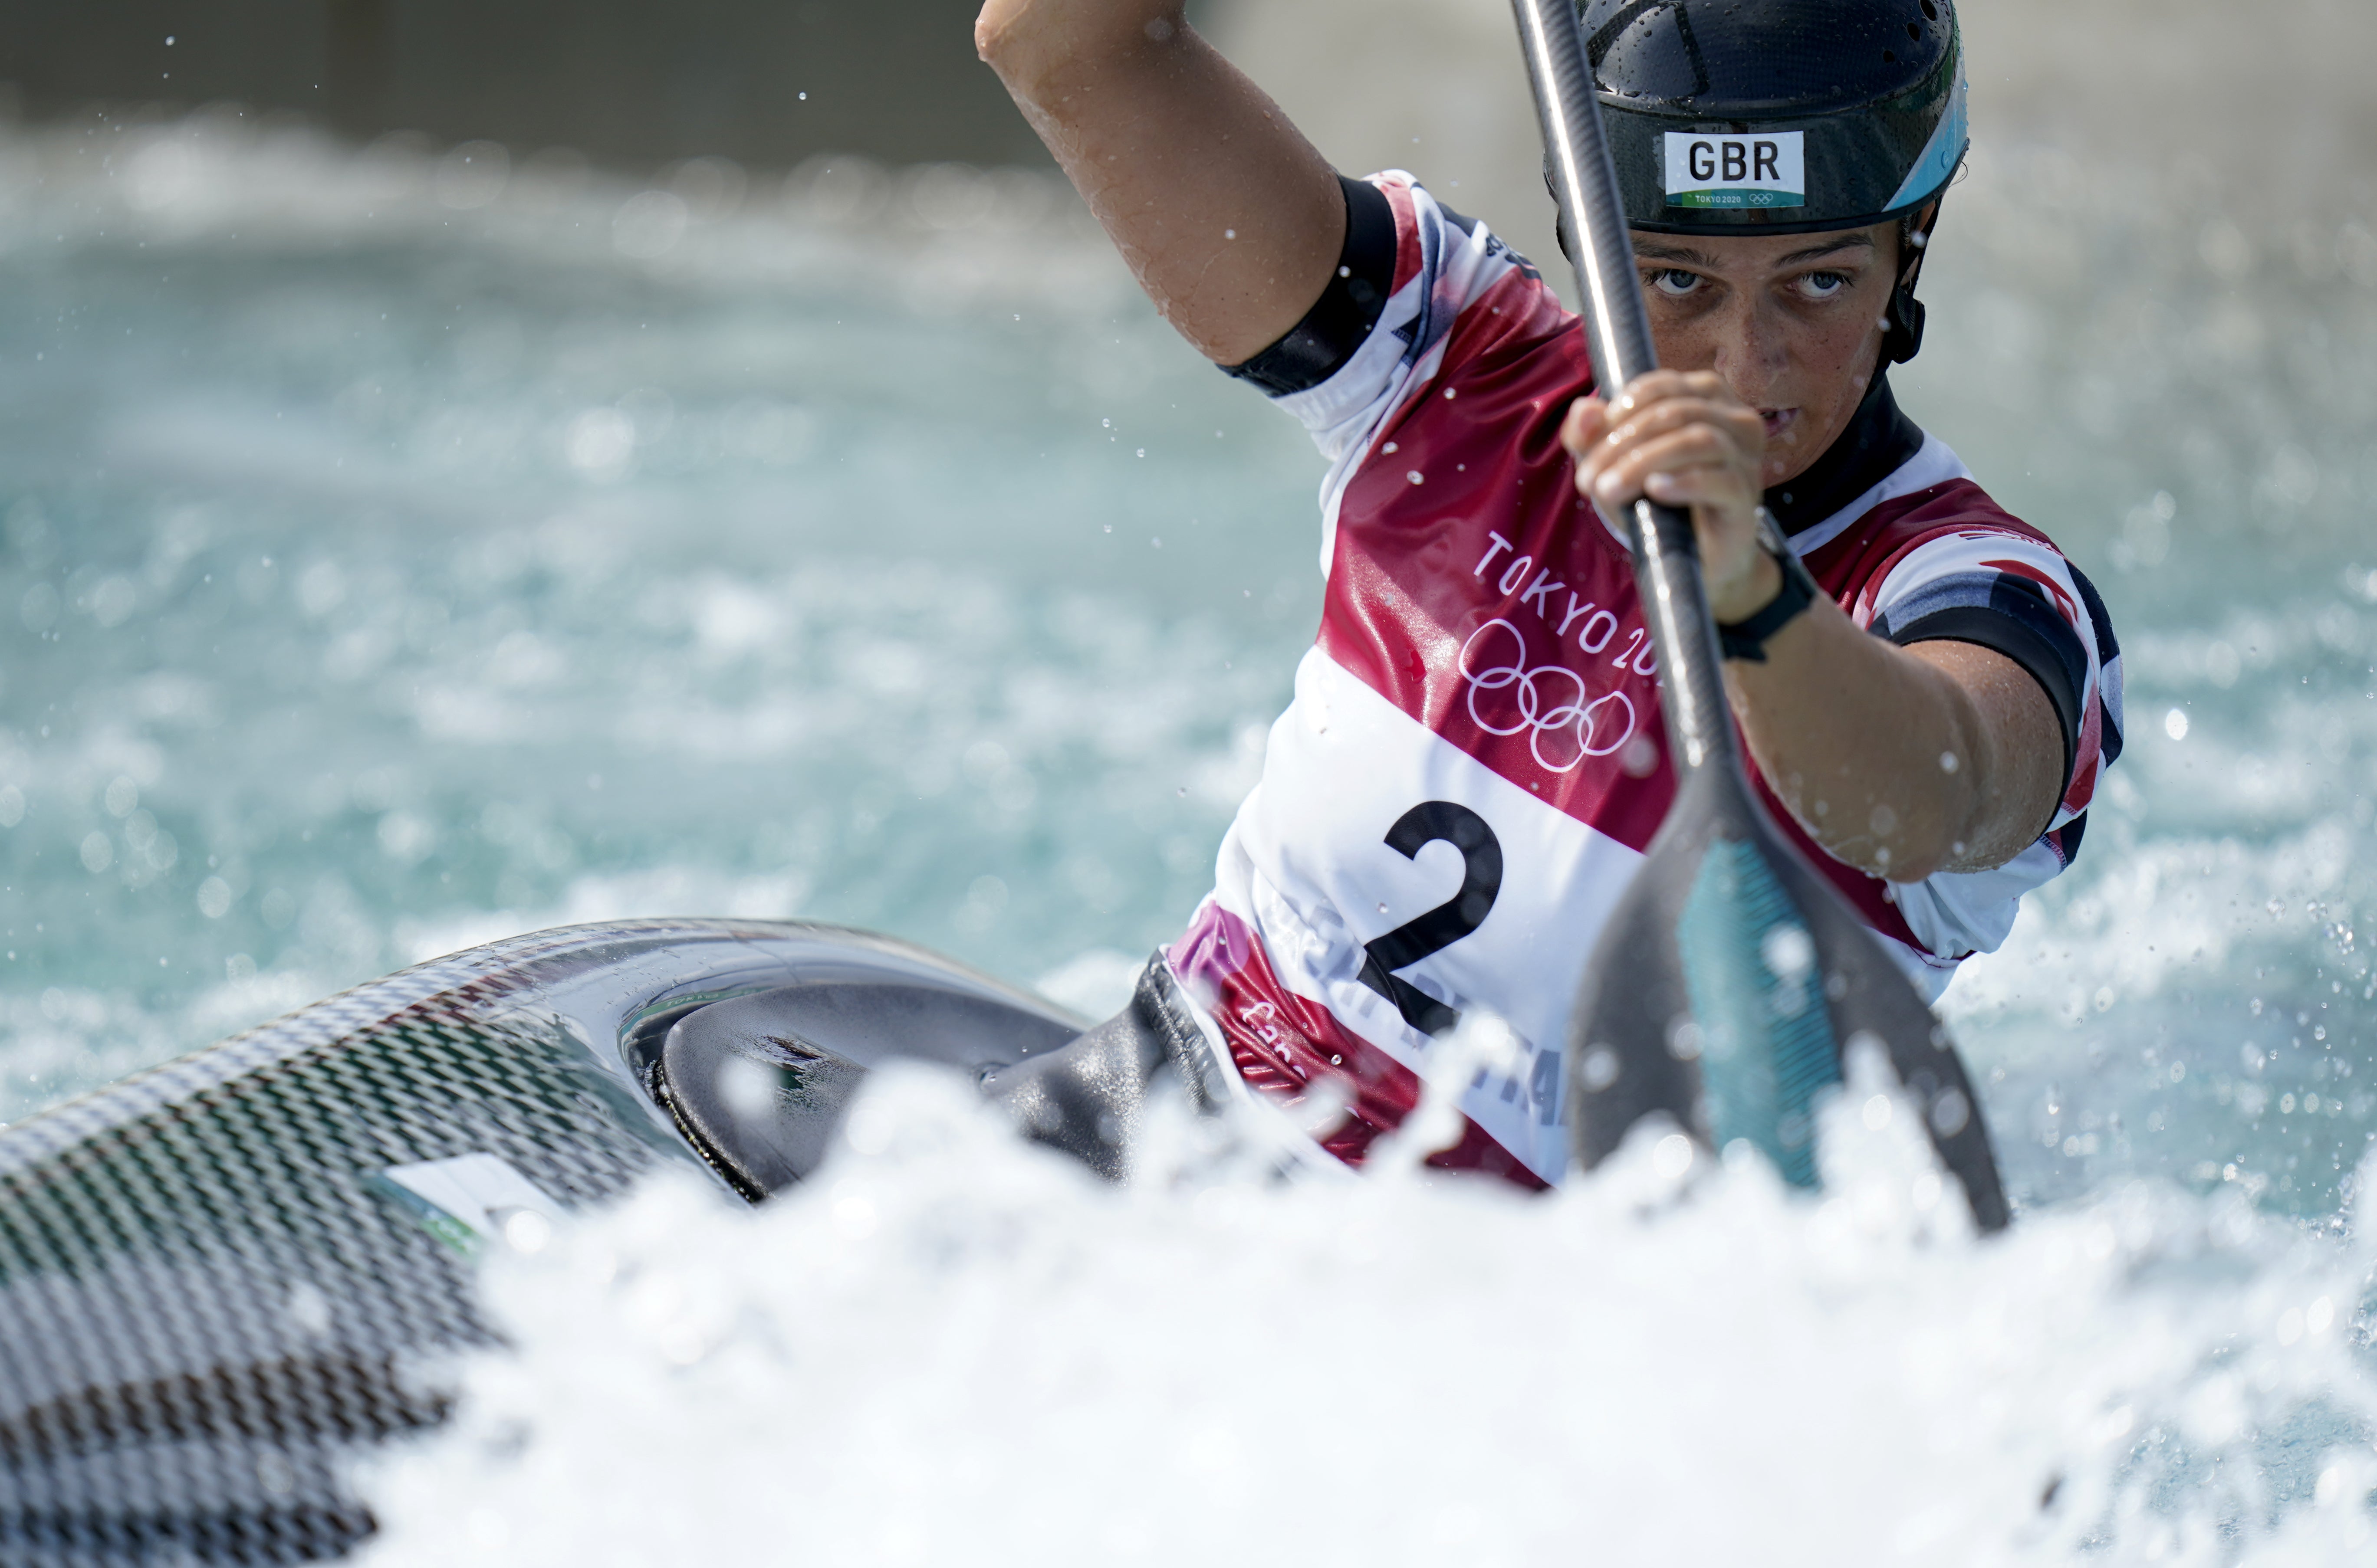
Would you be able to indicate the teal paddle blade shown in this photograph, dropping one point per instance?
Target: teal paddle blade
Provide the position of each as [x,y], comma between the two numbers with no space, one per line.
[1765,1042]
[1727,984]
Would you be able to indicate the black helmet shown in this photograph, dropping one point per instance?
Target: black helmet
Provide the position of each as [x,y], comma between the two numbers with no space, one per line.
[1783,116]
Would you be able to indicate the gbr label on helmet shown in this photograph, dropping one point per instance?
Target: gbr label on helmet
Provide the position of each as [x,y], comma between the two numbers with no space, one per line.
[1712,169]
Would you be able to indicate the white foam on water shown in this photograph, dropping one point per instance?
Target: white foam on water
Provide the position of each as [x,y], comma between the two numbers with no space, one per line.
[949,1346]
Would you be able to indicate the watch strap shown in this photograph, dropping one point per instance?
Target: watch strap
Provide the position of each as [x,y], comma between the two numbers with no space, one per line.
[1746,639]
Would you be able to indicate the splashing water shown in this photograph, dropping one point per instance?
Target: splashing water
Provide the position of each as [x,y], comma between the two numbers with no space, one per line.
[960,1348]
[394,554]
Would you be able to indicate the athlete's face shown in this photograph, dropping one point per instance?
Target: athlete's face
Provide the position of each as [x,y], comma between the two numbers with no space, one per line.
[1792,323]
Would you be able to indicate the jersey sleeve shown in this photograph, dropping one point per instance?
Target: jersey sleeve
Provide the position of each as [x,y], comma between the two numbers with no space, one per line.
[2016,594]
[1410,271]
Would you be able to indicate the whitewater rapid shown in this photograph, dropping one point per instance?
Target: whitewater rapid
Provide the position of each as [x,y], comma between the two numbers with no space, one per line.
[952,1347]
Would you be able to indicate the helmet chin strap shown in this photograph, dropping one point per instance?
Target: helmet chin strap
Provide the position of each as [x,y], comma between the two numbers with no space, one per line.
[1902,337]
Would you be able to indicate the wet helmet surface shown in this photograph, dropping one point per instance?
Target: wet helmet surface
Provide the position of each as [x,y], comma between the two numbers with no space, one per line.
[1776,115]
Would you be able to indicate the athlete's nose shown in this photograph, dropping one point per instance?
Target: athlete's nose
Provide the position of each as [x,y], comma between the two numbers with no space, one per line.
[1752,352]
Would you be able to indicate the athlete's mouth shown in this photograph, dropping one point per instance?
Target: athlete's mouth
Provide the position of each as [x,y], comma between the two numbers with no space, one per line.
[1777,421]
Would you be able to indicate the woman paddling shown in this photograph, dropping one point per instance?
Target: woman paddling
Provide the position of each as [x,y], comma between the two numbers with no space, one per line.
[1472,763]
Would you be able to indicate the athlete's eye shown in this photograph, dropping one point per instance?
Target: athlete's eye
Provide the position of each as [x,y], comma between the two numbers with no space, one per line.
[1823,285]
[1675,282]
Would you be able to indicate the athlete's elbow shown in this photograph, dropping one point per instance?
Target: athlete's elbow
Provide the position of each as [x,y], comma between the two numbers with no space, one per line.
[1900,856]
[1004,34]
[1027,40]
[1984,832]
[1919,839]
[1911,862]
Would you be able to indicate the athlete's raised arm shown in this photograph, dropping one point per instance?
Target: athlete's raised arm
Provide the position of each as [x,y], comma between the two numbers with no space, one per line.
[1228,216]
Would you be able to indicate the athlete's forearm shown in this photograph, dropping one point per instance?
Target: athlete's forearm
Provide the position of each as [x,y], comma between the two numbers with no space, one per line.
[1230,219]
[1902,760]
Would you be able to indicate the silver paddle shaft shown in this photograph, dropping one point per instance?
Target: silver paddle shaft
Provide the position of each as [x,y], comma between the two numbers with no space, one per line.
[1618,332]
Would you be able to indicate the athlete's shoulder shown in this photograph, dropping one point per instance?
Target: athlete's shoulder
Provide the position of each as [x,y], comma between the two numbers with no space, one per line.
[1931,517]
[1929,495]
[1462,294]
[1951,506]
[1410,273]
[1427,308]
[1431,235]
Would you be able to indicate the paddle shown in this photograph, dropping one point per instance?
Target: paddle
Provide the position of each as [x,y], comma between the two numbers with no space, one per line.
[1732,974]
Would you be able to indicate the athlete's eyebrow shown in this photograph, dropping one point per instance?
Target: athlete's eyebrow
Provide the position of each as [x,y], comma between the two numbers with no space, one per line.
[1846,243]
[1654,251]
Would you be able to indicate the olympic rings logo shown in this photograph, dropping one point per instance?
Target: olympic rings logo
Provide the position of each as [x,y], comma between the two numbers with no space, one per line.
[1547,708]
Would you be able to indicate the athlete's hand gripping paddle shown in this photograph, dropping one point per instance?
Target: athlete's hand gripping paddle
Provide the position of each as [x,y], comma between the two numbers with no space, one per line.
[1733,975]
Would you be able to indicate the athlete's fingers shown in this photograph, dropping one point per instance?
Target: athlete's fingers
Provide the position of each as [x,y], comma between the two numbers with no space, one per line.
[1693,446]
[1723,511]
[1714,495]
[1655,401]
[1656,386]
[1587,422]
[1709,487]
[1697,463]
[1662,398]
[1582,432]
[1741,446]
[1621,475]
[1712,488]
[1739,422]
[1599,451]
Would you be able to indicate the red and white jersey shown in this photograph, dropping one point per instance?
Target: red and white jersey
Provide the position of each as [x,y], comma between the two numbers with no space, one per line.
[1474,761]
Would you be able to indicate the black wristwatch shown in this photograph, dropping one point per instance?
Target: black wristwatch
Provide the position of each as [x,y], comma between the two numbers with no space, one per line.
[1746,639]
